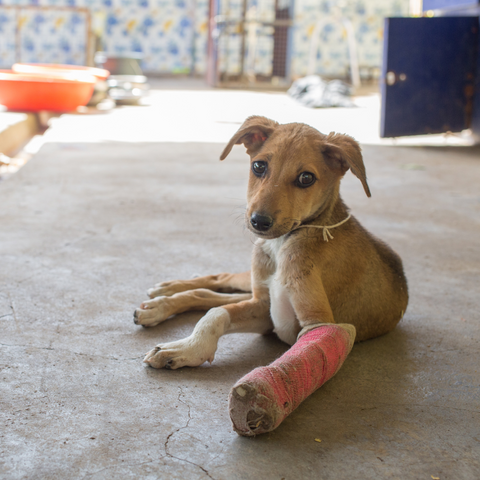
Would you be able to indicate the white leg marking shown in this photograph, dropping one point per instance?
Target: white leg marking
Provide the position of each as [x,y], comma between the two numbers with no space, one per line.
[196,349]
[282,313]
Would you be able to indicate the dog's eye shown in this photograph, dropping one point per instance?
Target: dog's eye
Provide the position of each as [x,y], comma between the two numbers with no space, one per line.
[259,168]
[306,179]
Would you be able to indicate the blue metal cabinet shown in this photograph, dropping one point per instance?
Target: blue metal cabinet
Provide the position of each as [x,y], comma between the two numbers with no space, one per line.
[429,75]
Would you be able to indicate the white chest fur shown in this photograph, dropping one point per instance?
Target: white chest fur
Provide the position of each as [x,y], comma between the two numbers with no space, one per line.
[281,309]
[272,247]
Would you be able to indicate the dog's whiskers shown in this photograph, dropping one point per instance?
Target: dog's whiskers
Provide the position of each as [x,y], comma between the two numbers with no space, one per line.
[239,220]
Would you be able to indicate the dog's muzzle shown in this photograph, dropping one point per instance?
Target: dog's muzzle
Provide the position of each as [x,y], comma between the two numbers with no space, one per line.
[262,223]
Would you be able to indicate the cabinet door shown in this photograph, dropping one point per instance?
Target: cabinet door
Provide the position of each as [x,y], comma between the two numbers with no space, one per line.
[428,75]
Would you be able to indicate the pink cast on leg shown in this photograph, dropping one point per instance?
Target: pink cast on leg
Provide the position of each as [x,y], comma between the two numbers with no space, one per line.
[262,399]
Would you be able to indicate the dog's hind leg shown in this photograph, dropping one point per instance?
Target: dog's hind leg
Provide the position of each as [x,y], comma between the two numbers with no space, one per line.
[154,311]
[223,282]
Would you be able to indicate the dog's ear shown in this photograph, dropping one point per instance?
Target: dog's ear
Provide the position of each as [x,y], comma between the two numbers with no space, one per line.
[342,152]
[253,134]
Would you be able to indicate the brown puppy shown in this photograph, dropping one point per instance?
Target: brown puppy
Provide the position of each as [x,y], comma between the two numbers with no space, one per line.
[302,273]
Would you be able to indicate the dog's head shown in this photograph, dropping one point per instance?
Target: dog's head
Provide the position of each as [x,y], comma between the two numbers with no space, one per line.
[295,172]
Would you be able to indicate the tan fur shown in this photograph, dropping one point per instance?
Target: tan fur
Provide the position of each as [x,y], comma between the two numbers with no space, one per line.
[297,278]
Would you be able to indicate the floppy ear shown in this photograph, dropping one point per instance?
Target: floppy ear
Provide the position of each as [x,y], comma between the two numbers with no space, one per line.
[342,152]
[253,134]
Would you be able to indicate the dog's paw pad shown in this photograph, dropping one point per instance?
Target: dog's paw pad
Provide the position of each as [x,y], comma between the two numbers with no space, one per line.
[151,312]
[182,353]
[157,358]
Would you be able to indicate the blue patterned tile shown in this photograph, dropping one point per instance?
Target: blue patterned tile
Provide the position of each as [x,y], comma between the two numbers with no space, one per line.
[168,31]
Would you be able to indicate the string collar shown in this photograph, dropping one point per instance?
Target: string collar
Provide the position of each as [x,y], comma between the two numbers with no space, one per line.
[326,228]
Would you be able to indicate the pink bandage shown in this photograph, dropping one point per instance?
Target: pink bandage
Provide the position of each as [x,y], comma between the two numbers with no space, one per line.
[262,399]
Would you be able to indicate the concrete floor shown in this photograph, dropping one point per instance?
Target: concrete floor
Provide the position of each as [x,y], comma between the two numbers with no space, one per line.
[112,204]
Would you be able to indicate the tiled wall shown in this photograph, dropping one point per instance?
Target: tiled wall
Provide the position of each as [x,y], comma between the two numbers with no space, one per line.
[332,55]
[8,19]
[172,34]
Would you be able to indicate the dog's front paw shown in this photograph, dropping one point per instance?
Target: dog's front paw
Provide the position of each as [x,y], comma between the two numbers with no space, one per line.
[166,289]
[152,312]
[189,352]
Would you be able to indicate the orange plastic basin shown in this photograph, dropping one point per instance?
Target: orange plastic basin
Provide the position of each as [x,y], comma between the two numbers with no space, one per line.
[70,71]
[33,93]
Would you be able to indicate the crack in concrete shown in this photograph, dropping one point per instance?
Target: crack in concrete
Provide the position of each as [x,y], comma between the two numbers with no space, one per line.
[7,315]
[69,351]
[420,406]
[32,275]
[12,306]
[204,470]
[464,349]
[88,474]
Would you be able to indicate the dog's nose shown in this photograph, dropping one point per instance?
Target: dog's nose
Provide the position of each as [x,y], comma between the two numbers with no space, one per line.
[261,223]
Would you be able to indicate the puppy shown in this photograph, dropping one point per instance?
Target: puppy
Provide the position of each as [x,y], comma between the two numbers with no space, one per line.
[312,262]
